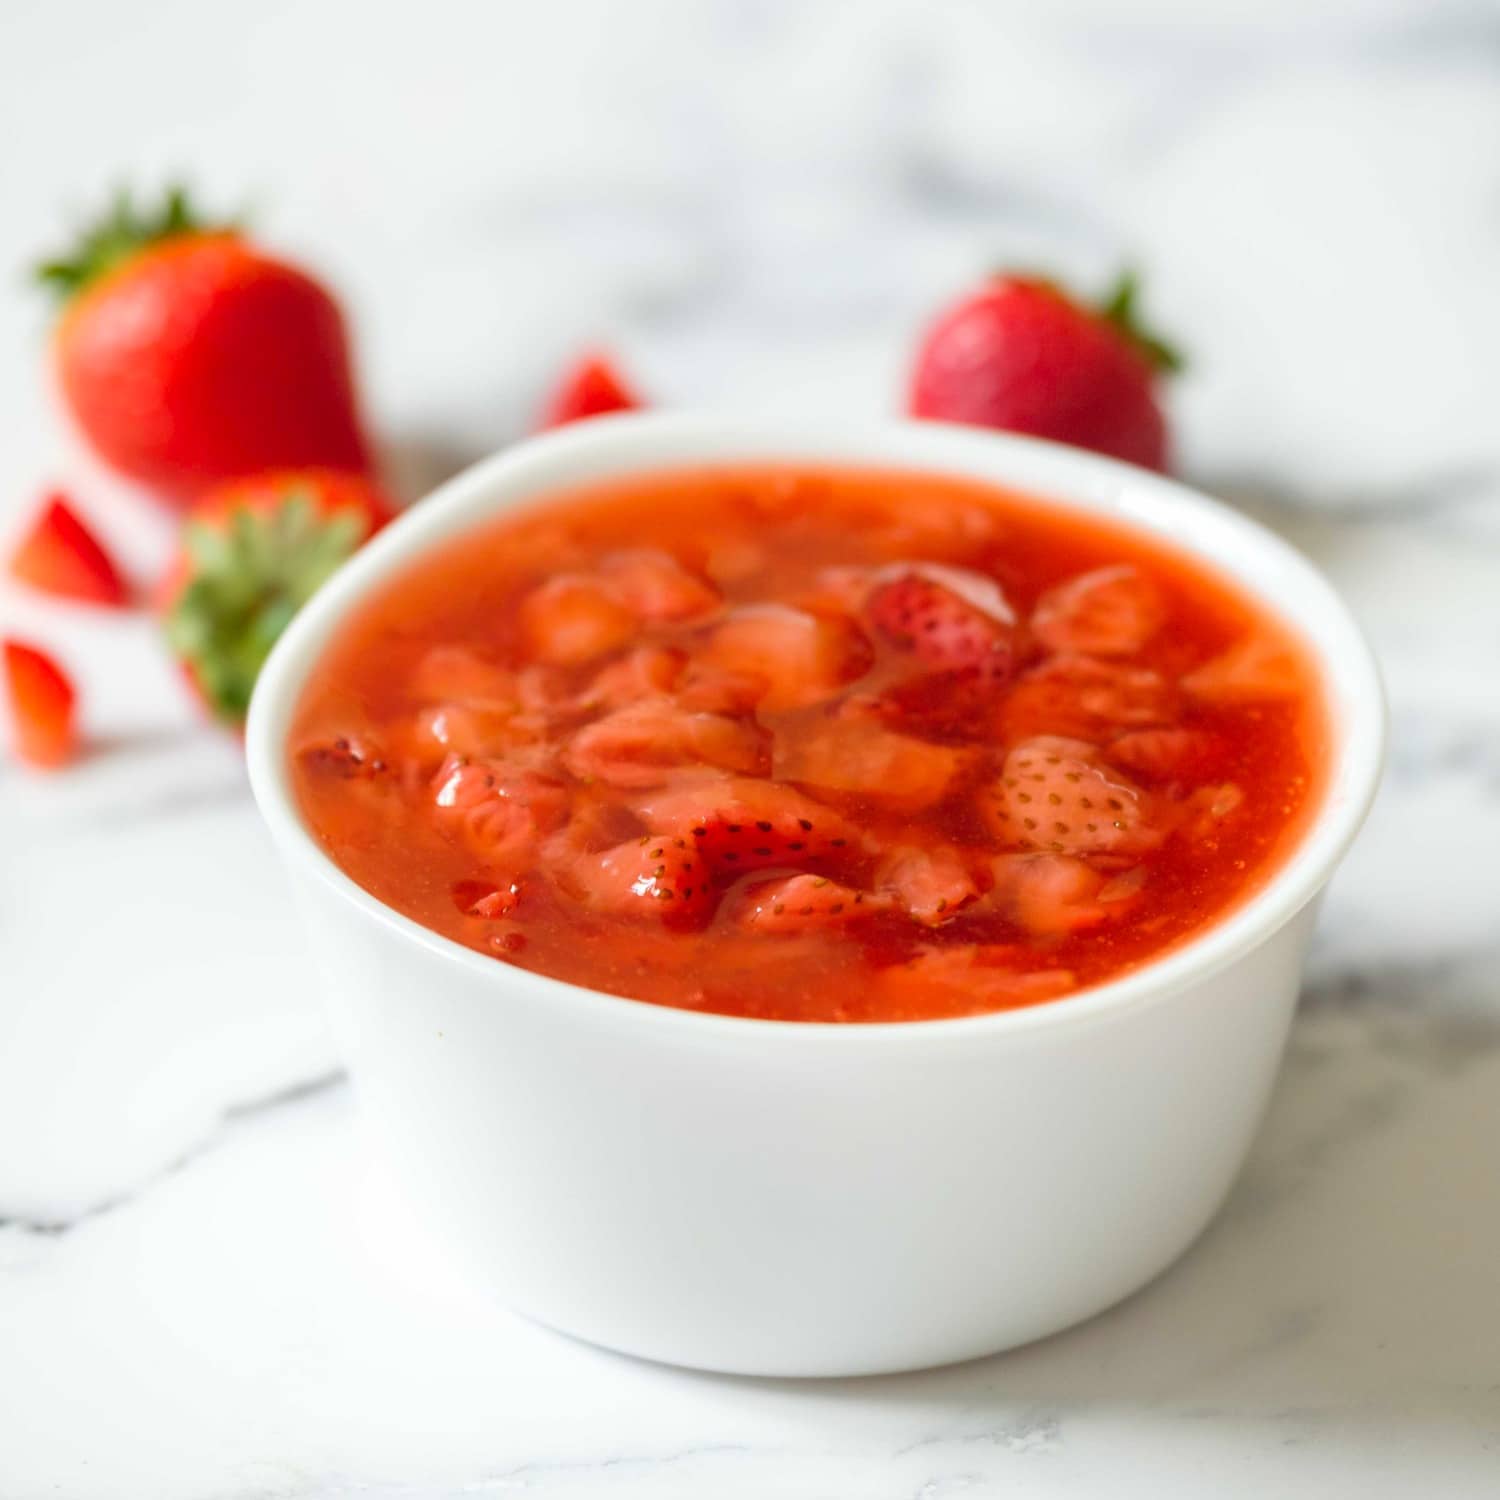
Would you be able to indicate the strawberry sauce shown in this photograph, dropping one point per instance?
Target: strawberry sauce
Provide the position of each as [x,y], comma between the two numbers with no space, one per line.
[811,744]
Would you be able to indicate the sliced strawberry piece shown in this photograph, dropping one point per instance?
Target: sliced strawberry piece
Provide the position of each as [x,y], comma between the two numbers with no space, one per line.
[646,672]
[42,706]
[1254,670]
[1167,754]
[473,730]
[654,586]
[1050,895]
[1109,612]
[1082,697]
[931,884]
[476,708]
[589,388]
[648,743]
[573,618]
[500,810]
[860,756]
[459,674]
[949,618]
[661,877]
[1203,814]
[739,824]
[346,757]
[705,688]
[478,898]
[801,658]
[1059,794]
[797,904]
[60,555]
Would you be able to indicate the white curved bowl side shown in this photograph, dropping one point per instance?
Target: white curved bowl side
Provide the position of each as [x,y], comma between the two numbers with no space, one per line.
[785,1199]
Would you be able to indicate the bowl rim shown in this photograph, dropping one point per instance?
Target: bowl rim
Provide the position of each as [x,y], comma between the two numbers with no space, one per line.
[1208,531]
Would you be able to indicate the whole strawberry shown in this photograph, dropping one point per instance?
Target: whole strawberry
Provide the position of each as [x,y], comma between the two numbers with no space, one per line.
[187,356]
[253,553]
[1023,355]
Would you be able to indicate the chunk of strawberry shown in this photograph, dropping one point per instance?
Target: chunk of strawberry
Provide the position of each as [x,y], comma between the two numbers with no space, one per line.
[484,899]
[1202,815]
[573,618]
[948,618]
[661,877]
[1254,670]
[500,810]
[800,658]
[653,585]
[42,706]
[930,883]
[796,904]
[460,674]
[345,757]
[60,555]
[860,756]
[649,743]
[1167,754]
[1109,612]
[946,706]
[1059,794]
[741,824]
[1050,895]
[646,672]
[473,730]
[590,387]
[1082,697]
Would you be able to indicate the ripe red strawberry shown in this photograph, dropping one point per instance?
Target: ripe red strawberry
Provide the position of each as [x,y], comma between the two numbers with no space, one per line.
[60,555]
[252,554]
[590,388]
[802,903]
[1109,612]
[661,876]
[743,824]
[188,357]
[1058,794]
[42,702]
[1022,354]
[950,619]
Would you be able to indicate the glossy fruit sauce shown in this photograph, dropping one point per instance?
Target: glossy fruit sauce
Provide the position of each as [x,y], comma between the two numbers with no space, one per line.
[810,744]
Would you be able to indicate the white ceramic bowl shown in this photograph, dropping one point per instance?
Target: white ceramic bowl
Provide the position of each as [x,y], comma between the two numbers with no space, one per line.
[797,1199]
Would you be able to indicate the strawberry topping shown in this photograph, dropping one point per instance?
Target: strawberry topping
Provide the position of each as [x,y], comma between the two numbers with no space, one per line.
[1109,612]
[1059,794]
[949,619]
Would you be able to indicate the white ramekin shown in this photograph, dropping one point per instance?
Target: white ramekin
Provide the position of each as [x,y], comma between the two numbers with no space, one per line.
[791,1199]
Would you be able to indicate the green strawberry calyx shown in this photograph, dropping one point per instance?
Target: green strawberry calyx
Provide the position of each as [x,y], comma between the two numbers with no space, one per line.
[1121,310]
[249,573]
[120,233]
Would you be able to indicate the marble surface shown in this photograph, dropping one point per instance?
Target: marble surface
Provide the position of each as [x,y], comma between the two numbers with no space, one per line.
[202,1293]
